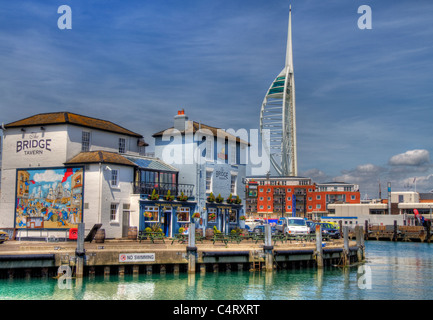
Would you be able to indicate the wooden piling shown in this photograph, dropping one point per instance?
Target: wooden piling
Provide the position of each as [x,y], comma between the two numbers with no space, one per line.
[176,269]
[202,268]
[319,249]
[79,253]
[268,249]
[135,269]
[346,246]
[191,249]
[149,269]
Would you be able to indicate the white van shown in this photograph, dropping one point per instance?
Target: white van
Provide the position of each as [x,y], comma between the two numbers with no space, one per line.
[293,225]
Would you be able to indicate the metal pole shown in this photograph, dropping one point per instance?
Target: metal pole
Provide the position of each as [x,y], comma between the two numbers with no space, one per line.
[389,197]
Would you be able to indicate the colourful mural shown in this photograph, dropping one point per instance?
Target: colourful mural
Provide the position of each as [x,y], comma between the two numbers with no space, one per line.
[49,198]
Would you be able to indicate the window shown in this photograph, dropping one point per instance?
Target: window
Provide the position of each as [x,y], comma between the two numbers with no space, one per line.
[114,212]
[353,197]
[122,145]
[318,197]
[85,141]
[152,212]
[233,183]
[208,181]
[209,153]
[183,214]
[232,153]
[114,178]
[211,215]
[318,206]
[233,216]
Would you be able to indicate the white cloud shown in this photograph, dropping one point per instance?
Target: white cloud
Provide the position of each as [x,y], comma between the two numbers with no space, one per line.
[47,176]
[411,158]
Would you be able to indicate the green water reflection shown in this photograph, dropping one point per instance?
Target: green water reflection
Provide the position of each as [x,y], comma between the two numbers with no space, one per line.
[398,271]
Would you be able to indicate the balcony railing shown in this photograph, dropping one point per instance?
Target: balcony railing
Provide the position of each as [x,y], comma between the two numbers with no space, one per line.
[162,188]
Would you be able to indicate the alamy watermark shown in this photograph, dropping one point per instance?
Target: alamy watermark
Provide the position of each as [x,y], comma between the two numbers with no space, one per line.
[364,277]
[235,147]
[365,21]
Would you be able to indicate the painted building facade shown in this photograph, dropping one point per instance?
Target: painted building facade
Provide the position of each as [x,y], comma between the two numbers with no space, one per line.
[62,168]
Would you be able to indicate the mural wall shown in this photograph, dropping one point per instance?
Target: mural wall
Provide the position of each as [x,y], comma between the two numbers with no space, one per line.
[49,198]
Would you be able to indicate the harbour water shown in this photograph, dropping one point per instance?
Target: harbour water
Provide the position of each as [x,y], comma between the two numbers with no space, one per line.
[393,271]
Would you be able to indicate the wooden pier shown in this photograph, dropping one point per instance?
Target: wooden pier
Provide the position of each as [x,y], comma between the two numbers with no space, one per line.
[396,233]
[39,258]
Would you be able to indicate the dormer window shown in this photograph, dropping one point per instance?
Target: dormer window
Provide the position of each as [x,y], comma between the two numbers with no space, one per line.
[85,141]
[122,145]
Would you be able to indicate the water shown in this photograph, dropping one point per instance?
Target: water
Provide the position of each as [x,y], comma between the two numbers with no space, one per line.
[398,271]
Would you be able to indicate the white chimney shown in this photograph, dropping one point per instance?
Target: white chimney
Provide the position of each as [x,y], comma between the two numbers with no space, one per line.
[180,120]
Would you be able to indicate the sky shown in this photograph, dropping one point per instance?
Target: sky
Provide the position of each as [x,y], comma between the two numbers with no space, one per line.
[364,97]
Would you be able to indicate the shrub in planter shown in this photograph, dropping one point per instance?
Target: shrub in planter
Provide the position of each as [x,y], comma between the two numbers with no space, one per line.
[168,196]
[211,198]
[182,197]
[219,199]
[154,195]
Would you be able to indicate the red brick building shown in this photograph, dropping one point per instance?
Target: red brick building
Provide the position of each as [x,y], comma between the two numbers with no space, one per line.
[274,197]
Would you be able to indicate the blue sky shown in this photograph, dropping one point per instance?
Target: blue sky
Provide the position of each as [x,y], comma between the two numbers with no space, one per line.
[364,97]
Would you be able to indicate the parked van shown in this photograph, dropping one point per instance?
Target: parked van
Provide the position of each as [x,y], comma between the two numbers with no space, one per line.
[293,225]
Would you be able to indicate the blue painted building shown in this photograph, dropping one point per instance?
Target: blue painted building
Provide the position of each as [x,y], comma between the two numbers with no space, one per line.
[212,160]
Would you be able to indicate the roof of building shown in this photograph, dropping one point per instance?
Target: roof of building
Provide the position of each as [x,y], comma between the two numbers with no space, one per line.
[426,196]
[122,159]
[100,157]
[54,118]
[194,126]
[151,163]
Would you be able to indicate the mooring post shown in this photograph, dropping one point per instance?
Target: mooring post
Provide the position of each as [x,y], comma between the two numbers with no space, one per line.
[361,232]
[359,236]
[366,230]
[79,253]
[394,236]
[319,249]
[191,249]
[346,245]
[268,249]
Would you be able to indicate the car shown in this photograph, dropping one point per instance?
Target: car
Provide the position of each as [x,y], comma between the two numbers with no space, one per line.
[261,229]
[329,230]
[3,236]
[312,226]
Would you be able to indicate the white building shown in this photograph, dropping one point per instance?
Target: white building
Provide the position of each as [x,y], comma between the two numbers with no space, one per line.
[211,159]
[403,204]
[62,168]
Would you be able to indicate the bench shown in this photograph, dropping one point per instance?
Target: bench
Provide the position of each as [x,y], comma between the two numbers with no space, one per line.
[180,238]
[143,235]
[220,237]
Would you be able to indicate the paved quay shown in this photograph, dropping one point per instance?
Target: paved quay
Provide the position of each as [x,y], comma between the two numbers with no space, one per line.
[36,257]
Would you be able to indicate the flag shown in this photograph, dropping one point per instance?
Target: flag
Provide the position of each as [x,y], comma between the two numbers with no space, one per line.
[67,174]
[414,179]
[27,182]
